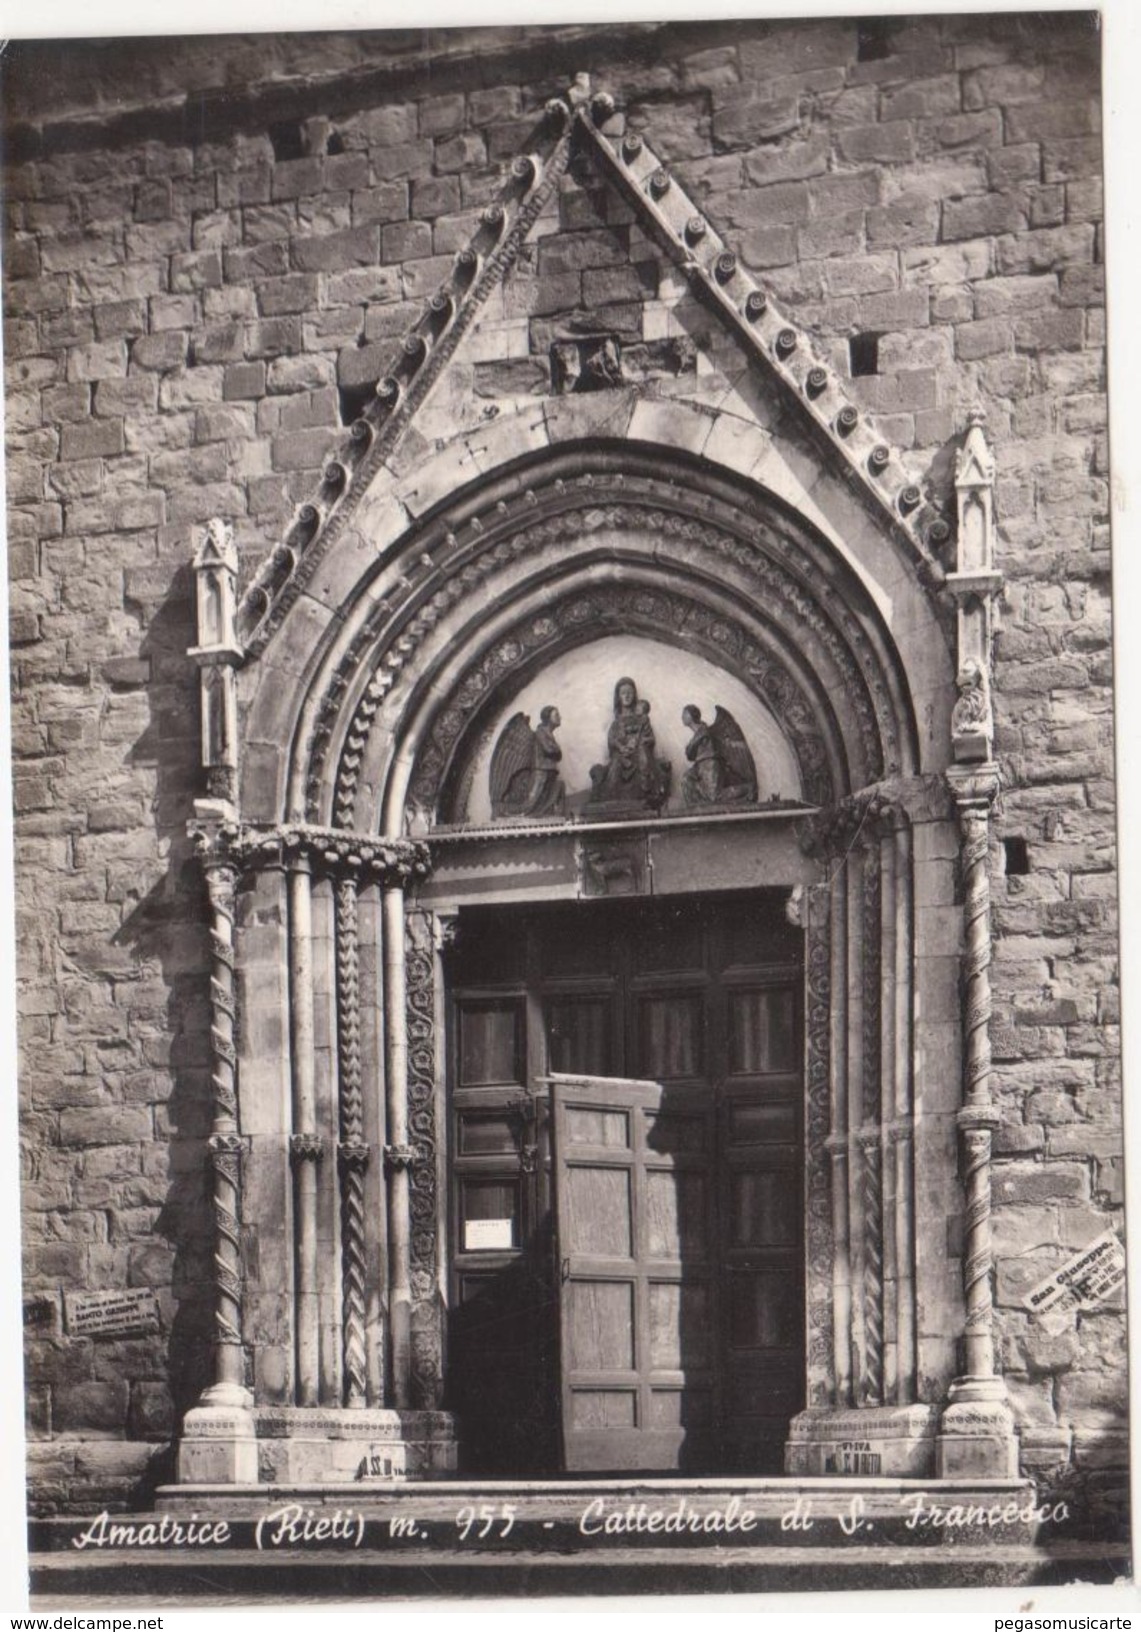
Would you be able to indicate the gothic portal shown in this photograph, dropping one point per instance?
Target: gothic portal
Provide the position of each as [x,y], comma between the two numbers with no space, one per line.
[596,841]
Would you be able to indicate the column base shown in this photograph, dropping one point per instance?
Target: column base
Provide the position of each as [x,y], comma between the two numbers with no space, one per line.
[218,1444]
[977,1437]
[870,1441]
[320,1445]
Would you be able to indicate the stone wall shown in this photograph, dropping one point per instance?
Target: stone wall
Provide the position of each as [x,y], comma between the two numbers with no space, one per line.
[201,282]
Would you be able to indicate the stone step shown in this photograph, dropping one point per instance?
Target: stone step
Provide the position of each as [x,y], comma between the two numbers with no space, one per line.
[246,1575]
[609,1535]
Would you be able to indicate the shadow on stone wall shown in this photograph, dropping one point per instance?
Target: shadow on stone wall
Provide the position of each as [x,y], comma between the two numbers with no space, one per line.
[168,928]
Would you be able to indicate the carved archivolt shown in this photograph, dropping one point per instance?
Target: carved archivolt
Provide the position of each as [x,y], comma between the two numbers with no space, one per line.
[630,609]
[781,582]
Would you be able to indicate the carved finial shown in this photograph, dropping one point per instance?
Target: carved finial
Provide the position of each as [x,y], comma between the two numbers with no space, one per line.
[216,573]
[579,91]
[974,465]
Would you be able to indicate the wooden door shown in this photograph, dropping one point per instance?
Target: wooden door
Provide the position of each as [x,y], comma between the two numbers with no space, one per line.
[635,1226]
[673,1201]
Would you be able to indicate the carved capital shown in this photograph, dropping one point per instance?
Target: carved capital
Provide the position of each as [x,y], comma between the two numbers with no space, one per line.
[974,788]
[400,1158]
[861,819]
[243,847]
[305,1147]
[225,1144]
[978,1118]
[354,1154]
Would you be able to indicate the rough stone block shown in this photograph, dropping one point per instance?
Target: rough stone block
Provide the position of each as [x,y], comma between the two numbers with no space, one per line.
[573,252]
[159,351]
[300,450]
[333,252]
[1046,249]
[975,130]
[294,177]
[1050,331]
[274,337]
[1039,121]
[906,221]
[405,241]
[403,160]
[92,440]
[201,269]
[746,116]
[980,217]
[387,201]
[244,381]
[987,338]
[923,99]
[90,1406]
[467,151]
[295,292]
[887,143]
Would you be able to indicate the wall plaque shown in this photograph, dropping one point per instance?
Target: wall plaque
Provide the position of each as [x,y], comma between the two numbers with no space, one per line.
[1086,1279]
[488,1235]
[111,1314]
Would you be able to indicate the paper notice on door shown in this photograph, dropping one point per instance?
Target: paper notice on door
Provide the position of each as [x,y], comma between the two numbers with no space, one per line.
[489,1235]
[1086,1279]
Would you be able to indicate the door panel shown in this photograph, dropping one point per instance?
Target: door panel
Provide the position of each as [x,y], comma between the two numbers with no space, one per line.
[626,1257]
[644,1274]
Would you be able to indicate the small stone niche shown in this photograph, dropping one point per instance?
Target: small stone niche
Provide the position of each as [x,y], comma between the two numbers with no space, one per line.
[588,362]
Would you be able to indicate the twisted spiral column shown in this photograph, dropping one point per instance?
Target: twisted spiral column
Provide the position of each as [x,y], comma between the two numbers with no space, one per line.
[304,1145]
[977,1434]
[225,1143]
[977,1117]
[353,1153]
[870,1136]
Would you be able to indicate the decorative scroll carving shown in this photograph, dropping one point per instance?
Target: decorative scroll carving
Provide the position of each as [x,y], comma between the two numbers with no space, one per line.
[524,768]
[721,766]
[818,1184]
[352,1152]
[870,1136]
[780,567]
[225,1142]
[427,1345]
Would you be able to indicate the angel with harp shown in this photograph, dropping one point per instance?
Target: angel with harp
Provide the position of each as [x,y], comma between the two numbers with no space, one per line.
[524,773]
[721,766]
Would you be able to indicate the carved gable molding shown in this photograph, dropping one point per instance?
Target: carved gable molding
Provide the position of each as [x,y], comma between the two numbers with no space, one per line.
[780,349]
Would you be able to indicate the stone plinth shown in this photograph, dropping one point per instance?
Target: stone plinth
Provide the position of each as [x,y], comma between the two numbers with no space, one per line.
[218,1444]
[977,1438]
[293,1445]
[867,1441]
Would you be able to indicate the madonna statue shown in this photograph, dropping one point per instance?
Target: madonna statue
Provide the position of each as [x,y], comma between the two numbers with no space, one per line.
[633,776]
